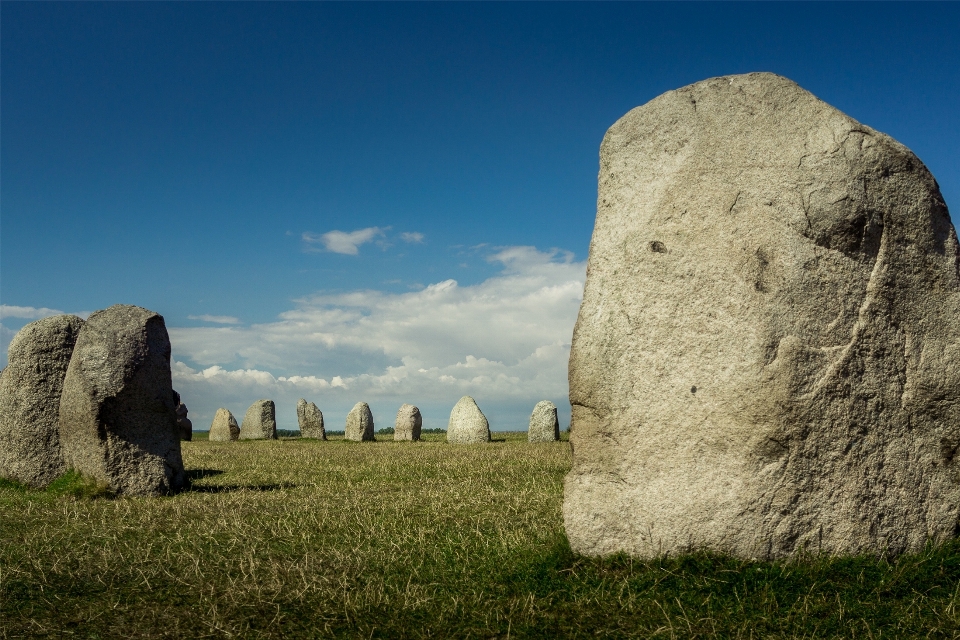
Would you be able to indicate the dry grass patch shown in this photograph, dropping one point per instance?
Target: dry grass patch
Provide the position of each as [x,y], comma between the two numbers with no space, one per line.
[299,538]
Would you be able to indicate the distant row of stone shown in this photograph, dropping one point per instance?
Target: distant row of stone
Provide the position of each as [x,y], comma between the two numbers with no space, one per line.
[467,423]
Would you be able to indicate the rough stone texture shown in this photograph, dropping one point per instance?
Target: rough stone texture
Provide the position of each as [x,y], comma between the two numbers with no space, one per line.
[260,421]
[311,420]
[118,420]
[224,427]
[544,425]
[359,423]
[409,422]
[184,424]
[467,423]
[30,388]
[767,356]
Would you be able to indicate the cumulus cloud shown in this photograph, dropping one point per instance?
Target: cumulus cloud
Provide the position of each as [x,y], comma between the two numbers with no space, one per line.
[413,237]
[216,319]
[344,242]
[504,341]
[28,313]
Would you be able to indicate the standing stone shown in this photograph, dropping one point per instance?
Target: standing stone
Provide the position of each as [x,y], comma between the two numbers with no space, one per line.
[224,427]
[30,388]
[118,422]
[767,356]
[409,422]
[544,425]
[184,425]
[260,421]
[359,423]
[311,420]
[467,423]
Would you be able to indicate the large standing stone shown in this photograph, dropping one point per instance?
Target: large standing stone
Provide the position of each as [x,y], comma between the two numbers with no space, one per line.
[544,425]
[767,356]
[260,421]
[30,388]
[224,427]
[359,423]
[118,420]
[311,420]
[467,423]
[409,423]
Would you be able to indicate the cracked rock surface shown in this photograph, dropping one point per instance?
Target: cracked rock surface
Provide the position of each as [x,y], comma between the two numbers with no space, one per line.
[118,421]
[30,388]
[767,355]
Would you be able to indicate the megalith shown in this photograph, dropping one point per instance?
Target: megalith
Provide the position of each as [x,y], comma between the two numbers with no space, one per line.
[260,421]
[408,424]
[544,425]
[767,354]
[311,420]
[224,427]
[359,424]
[467,423]
[30,388]
[184,424]
[118,422]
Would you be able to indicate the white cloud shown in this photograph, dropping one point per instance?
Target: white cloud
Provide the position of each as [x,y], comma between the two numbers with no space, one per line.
[413,237]
[216,319]
[504,341]
[29,313]
[347,243]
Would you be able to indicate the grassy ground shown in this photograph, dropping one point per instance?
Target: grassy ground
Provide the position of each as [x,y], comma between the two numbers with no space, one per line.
[298,538]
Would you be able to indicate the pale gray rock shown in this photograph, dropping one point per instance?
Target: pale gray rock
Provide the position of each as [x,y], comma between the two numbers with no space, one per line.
[544,425]
[359,424]
[224,427]
[30,388]
[260,421]
[408,424]
[118,422]
[311,420]
[767,355]
[467,423]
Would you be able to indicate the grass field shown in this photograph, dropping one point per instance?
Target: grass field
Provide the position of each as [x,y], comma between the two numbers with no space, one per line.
[299,538]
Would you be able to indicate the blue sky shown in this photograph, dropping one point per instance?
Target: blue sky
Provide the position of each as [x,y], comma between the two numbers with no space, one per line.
[199,159]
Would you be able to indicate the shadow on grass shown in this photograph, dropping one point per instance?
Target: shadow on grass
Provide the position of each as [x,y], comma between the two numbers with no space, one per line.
[196,474]
[230,488]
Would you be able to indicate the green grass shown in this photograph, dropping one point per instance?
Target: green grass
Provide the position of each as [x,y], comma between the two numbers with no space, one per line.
[301,538]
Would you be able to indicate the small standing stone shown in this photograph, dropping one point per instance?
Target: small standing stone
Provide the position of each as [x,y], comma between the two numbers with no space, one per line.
[224,427]
[359,424]
[544,426]
[30,388]
[184,425]
[311,420]
[467,423]
[260,421]
[408,423]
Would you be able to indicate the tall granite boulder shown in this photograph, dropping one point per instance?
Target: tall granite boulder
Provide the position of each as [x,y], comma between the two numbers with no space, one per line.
[118,420]
[467,423]
[260,421]
[311,420]
[359,423]
[544,425]
[30,388]
[224,427]
[408,424]
[767,355]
